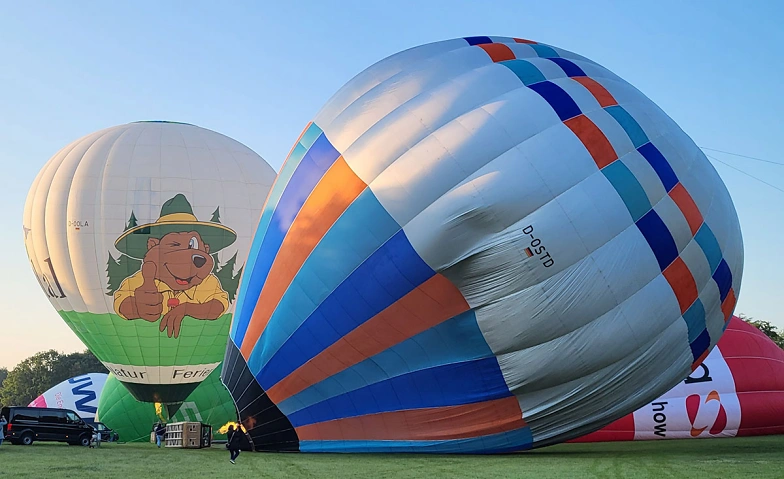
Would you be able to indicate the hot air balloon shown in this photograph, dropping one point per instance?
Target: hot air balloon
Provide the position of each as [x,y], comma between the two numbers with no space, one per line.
[137,235]
[737,391]
[210,403]
[479,245]
[79,393]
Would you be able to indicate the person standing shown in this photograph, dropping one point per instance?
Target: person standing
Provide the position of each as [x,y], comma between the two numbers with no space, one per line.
[160,433]
[235,438]
[3,422]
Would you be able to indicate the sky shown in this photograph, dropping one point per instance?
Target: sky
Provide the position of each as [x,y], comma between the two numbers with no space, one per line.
[259,71]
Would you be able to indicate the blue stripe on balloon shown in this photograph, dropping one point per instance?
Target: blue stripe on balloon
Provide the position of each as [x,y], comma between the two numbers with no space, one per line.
[323,154]
[543,51]
[630,190]
[477,40]
[251,284]
[510,441]
[559,100]
[709,245]
[660,165]
[447,385]
[456,340]
[525,71]
[629,125]
[390,273]
[700,345]
[659,238]
[723,278]
[310,136]
[360,230]
[695,319]
[570,68]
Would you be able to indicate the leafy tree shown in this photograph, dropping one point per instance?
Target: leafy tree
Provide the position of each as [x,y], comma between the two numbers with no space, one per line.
[766,327]
[30,378]
[3,375]
[77,364]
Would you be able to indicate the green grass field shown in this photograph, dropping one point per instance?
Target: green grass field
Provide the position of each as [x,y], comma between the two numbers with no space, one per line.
[703,459]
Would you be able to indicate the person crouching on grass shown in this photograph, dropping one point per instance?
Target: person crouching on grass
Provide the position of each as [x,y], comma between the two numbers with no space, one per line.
[235,436]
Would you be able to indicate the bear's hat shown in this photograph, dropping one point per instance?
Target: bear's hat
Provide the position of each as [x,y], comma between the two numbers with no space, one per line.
[176,217]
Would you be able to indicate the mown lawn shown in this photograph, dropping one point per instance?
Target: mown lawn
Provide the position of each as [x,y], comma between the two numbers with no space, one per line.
[705,458]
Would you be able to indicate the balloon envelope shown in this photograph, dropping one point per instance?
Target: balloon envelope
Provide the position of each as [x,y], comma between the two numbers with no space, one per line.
[180,199]
[210,403]
[80,394]
[479,245]
[737,391]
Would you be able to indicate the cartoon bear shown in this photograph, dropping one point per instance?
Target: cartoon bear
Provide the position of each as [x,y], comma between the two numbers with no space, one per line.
[175,279]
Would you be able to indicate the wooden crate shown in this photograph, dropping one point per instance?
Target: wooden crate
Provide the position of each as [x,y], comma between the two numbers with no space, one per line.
[183,435]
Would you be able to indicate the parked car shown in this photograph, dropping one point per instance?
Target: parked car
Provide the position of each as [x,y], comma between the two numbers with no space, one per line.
[107,433]
[29,424]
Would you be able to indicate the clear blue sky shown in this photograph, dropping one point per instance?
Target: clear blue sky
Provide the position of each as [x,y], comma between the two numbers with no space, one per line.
[259,71]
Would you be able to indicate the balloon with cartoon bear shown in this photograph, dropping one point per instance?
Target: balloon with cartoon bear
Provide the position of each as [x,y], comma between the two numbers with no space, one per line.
[137,235]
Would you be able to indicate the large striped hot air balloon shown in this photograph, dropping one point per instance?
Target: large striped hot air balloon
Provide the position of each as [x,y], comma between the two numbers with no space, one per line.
[479,245]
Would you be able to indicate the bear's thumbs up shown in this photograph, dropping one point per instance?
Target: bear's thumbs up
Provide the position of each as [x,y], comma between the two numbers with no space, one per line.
[148,301]
[148,275]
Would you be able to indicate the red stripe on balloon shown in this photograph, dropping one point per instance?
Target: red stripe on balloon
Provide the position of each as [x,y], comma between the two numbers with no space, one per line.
[594,140]
[688,207]
[427,424]
[498,52]
[728,305]
[601,94]
[682,283]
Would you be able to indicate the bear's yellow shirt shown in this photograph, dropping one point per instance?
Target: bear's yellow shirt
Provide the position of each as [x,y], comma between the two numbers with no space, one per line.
[207,290]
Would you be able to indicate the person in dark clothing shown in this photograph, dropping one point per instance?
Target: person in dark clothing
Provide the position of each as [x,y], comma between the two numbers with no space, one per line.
[235,438]
[160,433]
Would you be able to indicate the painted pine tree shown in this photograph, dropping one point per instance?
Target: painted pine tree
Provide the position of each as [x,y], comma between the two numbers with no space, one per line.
[122,267]
[228,280]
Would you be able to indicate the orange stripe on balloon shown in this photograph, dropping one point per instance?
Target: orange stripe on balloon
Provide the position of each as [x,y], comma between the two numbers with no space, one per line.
[498,51]
[594,140]
[523,40]
[433,424]
[337,189]
[601,94]
[728,305]
[682,283]
[433,302]
[687,206]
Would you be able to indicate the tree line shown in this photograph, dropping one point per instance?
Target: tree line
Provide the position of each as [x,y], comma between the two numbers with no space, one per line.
[770,330]
[36,374]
